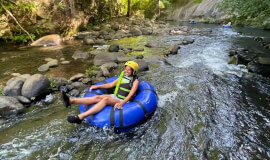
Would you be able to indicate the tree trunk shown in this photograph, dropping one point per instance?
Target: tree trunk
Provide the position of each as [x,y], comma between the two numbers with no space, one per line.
[128,9]
[158,9]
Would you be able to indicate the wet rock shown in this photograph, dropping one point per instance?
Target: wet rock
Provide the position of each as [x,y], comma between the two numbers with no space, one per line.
[233,60]
[95,52]
[48,59]
[86,80]
[107,68]
[188,40]
[139,57]
[78,85]
[174,49]
[70,87]
[115,26]
[49,40]
[23,100]
[255,67]
[43,68]
[108,37]
[75,93]
[103,58]
[80,55]
[77,77]
[147,23]
[152,44]
[53,63]
[114,48]
[103,32]
[96,28]
[184,28]
[119,34]
[14,87]
[65,62]
[244,58]
[264,60]
[154,59]
[143,65]
[232,52]
[88,41]
[100,42]
[146,31]
[121,57]
[25,76]
[135,31]
[15,74]
[59,81]
[35,86]
[62,59]
[10,106]
[139,49]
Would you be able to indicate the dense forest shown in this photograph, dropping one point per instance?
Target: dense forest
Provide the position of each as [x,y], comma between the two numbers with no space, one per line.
[25,20]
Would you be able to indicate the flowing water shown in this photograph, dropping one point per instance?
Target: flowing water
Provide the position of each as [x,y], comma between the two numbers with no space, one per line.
[207,110]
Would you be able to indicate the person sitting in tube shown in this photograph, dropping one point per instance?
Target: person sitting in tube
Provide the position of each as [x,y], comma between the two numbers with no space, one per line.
[125,88]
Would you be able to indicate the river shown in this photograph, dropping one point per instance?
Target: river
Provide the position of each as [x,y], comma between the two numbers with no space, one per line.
[207,108]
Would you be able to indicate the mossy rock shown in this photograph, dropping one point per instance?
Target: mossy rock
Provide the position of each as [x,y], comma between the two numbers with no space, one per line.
[233,60]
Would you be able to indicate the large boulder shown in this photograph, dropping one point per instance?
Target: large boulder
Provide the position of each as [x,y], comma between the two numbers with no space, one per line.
[76,77]
[10,106]
[59,81]
[114,48]
[14,87]
[135,31]
[88,40]
[49,40]
[35,86]
[80,55]
[152,44]
[264,60]
[103,58]
[107,68]
[188,40]
[174,49]
[121,57]
[143,65]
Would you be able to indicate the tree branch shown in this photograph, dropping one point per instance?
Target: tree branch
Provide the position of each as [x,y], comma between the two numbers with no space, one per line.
[14,18]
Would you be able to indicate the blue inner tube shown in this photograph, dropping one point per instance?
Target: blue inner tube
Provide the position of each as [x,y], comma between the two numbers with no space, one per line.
[227,26]
[132,114]
[192,22]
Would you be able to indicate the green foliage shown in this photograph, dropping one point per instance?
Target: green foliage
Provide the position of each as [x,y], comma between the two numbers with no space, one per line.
[248,12]
[60,4]
[1,90]
[197,1]
[22,38]
[90,72]
[52,83]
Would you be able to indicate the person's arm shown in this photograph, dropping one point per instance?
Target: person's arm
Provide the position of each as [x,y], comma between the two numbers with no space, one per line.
[131,93]
[107,85]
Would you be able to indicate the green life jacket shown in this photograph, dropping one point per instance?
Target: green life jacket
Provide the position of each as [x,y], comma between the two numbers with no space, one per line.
[123,86]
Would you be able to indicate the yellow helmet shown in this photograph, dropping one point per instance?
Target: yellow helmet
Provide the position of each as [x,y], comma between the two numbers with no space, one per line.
[133,65]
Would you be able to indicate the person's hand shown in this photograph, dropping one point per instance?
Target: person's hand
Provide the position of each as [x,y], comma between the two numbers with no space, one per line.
[118,105]
[94,87]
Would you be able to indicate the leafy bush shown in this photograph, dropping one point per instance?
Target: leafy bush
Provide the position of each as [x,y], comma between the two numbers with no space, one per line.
[90,72]
[197,1]
[22,38]
[248,12]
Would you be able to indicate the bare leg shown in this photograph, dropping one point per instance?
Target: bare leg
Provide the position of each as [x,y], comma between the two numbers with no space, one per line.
[99,106]
[87,100]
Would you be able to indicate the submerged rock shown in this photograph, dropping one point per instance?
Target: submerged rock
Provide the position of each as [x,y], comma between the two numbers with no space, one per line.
[80,55]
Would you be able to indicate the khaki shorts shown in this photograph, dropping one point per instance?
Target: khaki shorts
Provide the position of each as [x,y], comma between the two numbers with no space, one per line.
[115,97]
